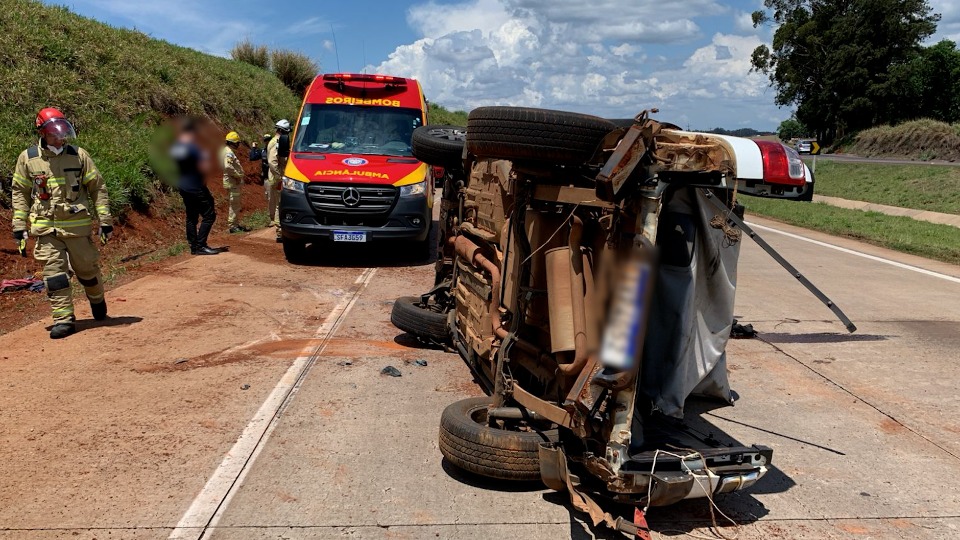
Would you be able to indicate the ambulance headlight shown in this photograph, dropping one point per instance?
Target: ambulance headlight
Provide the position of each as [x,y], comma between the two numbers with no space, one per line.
[295,186]
[414,189]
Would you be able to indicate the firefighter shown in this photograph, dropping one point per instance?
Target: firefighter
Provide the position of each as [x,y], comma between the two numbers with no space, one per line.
[232,179]
[57,186]
[277,151]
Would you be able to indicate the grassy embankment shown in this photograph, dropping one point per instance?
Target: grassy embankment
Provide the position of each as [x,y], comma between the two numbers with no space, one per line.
[940,242]
[118,86]
[922,187]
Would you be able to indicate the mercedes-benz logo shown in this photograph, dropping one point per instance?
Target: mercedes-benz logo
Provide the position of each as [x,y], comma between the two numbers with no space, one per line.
[351,197]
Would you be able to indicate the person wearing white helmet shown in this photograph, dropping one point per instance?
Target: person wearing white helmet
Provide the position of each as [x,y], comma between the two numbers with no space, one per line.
[278,149]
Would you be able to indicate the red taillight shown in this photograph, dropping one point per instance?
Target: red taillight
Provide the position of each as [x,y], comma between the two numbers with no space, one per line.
[781,164]
[438,172]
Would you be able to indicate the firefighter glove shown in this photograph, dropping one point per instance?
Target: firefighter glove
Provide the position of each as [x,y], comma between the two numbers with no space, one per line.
[105,232]
[21,238]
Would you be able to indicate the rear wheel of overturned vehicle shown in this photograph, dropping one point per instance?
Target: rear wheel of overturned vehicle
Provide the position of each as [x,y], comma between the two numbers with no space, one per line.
[439,145]
[470,443]
[295,251]
[541,135]
[427,321]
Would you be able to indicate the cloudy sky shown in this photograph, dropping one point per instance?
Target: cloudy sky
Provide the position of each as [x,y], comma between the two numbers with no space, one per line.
[612,58]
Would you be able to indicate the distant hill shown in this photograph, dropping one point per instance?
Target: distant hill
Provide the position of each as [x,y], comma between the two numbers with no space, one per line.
[742,132]
[118,86]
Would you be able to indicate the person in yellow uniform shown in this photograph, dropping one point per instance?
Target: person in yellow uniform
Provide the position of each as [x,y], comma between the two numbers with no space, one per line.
[277,151]
[57,190]
[232,179]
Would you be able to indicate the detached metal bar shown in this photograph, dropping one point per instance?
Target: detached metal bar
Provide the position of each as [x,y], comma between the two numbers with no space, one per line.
[783,262]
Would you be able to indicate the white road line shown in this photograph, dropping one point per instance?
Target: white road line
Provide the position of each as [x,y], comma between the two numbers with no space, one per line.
[212,501]
[858,254]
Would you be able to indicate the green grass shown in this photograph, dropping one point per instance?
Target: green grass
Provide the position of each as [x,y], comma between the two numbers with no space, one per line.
[258,219]
[940,242]
[118,86]
[922,187]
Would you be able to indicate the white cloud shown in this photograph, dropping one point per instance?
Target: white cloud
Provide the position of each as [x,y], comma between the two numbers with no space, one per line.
[743,23]
[587,57]
[433,20]
[949,25]
[308,27]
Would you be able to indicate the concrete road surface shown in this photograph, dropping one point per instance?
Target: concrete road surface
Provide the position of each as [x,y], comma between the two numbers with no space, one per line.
[241,397]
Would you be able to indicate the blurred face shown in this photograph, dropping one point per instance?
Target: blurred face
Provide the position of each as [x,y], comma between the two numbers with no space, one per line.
[53,140]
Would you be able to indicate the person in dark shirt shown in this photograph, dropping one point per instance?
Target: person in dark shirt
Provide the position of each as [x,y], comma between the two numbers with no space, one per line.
[260,154]
[192,164]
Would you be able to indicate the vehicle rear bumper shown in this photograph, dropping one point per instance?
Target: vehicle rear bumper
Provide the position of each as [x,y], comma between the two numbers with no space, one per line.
[410,219]
[665,476]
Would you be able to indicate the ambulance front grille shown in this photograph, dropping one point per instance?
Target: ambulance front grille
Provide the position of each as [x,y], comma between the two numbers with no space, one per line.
[362,199]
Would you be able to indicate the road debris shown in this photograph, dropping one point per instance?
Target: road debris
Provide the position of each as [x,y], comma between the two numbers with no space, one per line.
[742,331]
[421,362]
[181,360]
[245,387]
[345,363]
[391,371]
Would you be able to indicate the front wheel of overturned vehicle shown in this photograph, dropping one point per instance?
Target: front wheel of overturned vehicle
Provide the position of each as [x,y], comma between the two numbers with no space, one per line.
[470,443]
[428,321]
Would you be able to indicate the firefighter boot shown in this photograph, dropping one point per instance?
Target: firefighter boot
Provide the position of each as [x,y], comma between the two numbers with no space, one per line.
[62,330]
[99,309]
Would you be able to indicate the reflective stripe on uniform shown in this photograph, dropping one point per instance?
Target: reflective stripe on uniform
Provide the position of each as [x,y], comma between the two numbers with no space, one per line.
[63,311]
[90,176]
[20,214]
[62,223]
[20,179]
[103,210]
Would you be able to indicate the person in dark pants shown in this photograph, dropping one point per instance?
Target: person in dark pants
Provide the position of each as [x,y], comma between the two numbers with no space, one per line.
[192,164]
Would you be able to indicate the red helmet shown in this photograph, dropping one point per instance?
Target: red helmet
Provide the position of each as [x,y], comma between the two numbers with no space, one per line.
[51,121]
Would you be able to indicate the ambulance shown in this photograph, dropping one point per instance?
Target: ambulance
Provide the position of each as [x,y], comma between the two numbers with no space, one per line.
[351,176]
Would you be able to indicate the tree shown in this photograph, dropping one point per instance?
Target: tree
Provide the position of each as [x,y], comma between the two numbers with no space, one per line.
[933,83]
[842,62]
[791,128]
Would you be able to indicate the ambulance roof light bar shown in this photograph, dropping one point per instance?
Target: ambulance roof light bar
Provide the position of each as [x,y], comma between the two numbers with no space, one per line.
[364,78]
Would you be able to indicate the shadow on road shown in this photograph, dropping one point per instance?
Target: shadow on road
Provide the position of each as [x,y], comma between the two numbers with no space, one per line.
[482,482]
[382,254]
[818,337]
[87,324]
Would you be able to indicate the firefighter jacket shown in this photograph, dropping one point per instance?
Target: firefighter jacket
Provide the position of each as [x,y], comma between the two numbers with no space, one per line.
[232,170]
[58,193]
[276,162]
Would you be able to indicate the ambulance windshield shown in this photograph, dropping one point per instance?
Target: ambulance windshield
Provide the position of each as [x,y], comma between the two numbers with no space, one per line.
[355,129]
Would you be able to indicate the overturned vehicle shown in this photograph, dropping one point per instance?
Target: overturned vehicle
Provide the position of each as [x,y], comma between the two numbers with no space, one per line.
[586,273]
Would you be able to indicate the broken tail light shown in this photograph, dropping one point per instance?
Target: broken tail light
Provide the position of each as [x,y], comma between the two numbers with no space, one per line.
[781,164]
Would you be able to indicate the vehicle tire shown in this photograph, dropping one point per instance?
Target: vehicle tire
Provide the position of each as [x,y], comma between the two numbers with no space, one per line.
[439,145]
[469,443]
[411,316]
[295,251]
[526,134]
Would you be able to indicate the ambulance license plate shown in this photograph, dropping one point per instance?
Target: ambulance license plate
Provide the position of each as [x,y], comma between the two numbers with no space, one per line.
[349,236]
